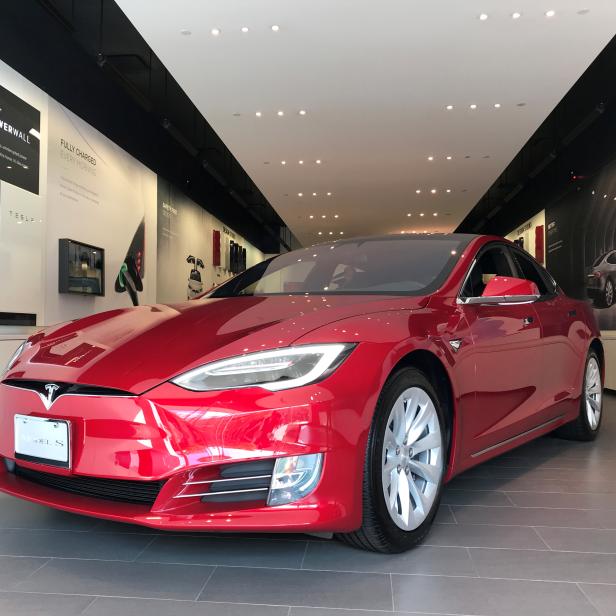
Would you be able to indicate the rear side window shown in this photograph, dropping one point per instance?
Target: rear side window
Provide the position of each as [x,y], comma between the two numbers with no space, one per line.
[492,262]
[612,258]
[529,270]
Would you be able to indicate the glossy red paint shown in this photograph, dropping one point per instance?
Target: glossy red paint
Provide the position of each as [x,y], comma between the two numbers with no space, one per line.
[500,286]
[516,375]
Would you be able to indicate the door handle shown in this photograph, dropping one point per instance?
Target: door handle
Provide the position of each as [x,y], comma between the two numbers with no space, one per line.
[528,320]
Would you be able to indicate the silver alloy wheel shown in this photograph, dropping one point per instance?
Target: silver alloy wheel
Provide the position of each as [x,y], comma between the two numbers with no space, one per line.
[609,293]
[412,459]
[593,393]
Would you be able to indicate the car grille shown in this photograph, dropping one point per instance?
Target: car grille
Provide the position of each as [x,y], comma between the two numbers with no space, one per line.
[126,491]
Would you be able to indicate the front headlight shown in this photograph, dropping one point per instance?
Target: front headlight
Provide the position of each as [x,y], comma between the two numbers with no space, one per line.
[273,370]
[15,356]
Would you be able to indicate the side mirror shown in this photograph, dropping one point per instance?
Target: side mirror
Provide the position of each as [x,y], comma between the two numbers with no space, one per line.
[501,286]
[506,290]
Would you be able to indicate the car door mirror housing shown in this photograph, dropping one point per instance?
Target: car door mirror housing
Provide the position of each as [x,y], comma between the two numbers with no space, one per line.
[506,290]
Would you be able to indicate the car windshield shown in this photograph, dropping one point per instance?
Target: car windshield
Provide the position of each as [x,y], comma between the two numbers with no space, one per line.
[599,259]
[387,266]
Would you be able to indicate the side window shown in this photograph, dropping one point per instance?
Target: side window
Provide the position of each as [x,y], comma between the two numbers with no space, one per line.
[530,271]
[612,258]
[492,262]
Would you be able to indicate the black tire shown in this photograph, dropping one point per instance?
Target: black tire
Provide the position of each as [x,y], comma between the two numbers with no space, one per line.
[602,300]
[580,428]
[378,532]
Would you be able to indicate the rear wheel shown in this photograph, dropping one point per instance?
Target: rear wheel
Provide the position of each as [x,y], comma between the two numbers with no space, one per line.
[404,468]
[587,425]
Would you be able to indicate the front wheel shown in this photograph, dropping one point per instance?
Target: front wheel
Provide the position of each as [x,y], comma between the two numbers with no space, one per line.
[587,425]
[405,465]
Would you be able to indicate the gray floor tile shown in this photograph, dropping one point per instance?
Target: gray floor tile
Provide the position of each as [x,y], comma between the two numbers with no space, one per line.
[14,569]
[508,484]
[236,551]
[571,501]
[156,607]
[324,611]
[553,566]
[516,516]
[444,515]
[18,513]
[302,588]
[486,536]
[602,597]
[579,540]
[334,556]
[92,577]
[488,597]
[66,544]
[482,498]
[33,604]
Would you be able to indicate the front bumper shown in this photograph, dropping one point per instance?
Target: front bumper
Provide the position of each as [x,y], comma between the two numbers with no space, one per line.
[172,436]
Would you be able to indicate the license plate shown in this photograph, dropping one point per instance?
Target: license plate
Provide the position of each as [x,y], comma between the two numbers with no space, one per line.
[42,440]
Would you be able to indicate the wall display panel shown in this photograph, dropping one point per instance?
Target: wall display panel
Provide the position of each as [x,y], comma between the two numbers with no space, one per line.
[581,244]
[23,143]
[190,243]
[99,195]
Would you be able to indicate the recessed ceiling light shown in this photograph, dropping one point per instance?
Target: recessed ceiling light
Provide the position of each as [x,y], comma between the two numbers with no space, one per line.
[483,16]
[430,157]
[550,13]
[497,105]
[300,194]
[314,194]
[335,215]
[323,216]
[435,214]
[280,113]
[409,214]
[448,190]
[244,29]
[320,233]
[301,162]
[433,191]
[331,232]
[302,112]
[215,31]
[418,191]
[311,216]
[516,15]
[329,194]
[275,28]
[185,32]
[318,161]
[449,107]
[422,214]
[283,162]
[403,232]
[473,106]
[448,157]
[341,232]
[258,114]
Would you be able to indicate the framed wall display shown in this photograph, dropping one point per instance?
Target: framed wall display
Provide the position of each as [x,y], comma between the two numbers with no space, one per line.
[81,268]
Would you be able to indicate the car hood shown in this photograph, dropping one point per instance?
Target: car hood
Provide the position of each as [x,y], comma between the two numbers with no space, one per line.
[135,349]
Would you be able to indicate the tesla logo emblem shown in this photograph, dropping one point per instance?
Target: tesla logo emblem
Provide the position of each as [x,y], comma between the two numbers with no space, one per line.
[51,389]
[455,344]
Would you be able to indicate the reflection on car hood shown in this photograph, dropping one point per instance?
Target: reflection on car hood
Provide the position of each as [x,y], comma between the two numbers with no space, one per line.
[135,349]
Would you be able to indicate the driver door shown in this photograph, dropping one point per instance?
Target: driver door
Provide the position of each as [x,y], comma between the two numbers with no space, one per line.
[508,359]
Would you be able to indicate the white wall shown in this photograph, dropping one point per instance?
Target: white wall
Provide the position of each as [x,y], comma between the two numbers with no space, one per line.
[21,254]
[101,204]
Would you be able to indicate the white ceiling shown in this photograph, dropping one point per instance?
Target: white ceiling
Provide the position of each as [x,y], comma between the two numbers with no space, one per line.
[375,77]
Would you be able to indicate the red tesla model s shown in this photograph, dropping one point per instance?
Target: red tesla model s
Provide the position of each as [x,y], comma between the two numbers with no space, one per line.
[330,389]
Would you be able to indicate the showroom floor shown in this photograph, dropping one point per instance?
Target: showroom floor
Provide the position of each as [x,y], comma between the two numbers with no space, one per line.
[533,532]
